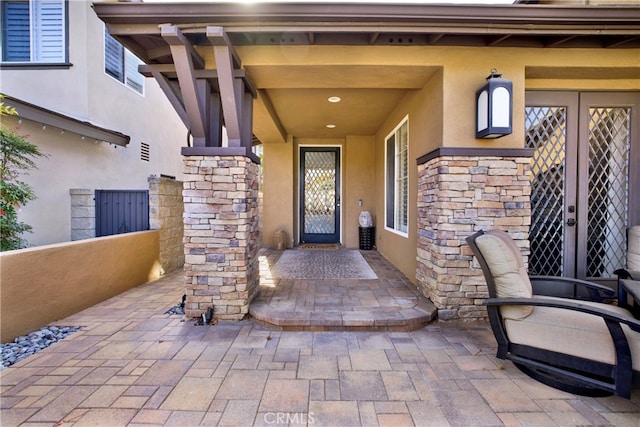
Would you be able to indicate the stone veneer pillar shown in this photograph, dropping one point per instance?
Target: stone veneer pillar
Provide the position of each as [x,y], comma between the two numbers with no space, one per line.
[83,213]
[221,234]
[461,191]
[165,214]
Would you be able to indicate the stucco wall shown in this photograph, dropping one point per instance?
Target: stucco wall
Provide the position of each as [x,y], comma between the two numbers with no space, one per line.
[359,184]
[278,192]
[85,92]
[47,283]
[424,110]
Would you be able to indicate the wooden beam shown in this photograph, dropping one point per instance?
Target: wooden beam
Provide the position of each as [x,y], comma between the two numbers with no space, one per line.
[173,95]
[498,40]
[218,37]
[268,105]
[231,89]
[169,70]
[183,57]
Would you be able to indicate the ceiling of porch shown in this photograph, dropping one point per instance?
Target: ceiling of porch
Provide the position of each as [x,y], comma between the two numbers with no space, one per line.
[292,100]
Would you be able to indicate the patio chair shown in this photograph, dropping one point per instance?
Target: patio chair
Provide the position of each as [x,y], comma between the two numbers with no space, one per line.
[571,341]
[632,270]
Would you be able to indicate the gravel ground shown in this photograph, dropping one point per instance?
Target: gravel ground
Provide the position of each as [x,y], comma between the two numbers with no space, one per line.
[24,346]
[27,345]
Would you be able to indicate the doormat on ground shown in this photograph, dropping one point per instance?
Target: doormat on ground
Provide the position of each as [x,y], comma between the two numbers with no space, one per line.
[319,246]
[318,264]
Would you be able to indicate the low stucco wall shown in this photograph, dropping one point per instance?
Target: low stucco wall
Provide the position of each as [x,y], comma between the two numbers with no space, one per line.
[43,284]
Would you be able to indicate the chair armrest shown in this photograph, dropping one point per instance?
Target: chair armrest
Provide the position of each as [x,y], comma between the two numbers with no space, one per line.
[570,288]
[623,273]
[568,304]
[623,373]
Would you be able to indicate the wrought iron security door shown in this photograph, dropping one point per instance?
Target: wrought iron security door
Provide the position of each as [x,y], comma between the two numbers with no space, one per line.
[320,194]
[583,190]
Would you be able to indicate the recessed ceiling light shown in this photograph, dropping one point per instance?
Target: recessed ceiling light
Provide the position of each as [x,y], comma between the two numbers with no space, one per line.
[334,99]
[331,126]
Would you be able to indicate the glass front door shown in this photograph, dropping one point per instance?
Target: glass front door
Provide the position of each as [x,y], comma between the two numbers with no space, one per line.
[320,194]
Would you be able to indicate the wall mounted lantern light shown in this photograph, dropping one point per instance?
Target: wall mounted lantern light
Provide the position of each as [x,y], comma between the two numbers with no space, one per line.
[494,107]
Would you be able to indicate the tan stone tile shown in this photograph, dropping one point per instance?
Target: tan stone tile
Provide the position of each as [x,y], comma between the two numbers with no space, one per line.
[366,360]
[399,386]
[239,413]
[333,413]
[285,396]
[106,417]
[192,394]
[164,372]
[98,376]
[151,416]
[62,405]
[122,380]
[103,397]
[133,402]
[318,367]
[36,390]
[243,385]
[395,420]
[427,414]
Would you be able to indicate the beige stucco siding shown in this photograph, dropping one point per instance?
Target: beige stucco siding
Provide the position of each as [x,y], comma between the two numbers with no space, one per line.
[359,183]
[44,284]
[85,92]
[279,192]
[441,114]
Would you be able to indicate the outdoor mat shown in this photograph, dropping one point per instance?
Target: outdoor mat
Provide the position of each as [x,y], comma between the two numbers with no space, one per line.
[314,264]
[319,246]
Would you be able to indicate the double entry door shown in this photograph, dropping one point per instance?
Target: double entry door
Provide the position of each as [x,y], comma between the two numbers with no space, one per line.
[585,181]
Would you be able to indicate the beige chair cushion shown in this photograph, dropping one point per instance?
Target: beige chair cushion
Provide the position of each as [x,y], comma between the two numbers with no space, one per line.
[633,252]
[508,271]
[574,333]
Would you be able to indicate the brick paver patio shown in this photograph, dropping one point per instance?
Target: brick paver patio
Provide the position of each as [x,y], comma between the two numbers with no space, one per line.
[134,365]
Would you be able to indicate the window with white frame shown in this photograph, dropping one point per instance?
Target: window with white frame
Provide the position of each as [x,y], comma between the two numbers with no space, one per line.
[397,179]
[121,64]
[34,31]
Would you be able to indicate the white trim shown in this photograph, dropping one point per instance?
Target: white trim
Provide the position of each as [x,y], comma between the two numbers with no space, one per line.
[404,120]
[124,65]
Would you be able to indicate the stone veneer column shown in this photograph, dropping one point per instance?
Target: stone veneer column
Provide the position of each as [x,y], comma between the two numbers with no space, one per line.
[458,195]
[83,213]
[221,235]
[165,214]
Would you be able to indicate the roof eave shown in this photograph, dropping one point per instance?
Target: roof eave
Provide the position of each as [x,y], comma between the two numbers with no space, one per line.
[410,14]
[51,118]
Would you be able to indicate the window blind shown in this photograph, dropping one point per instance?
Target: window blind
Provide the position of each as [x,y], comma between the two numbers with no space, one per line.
[34,31]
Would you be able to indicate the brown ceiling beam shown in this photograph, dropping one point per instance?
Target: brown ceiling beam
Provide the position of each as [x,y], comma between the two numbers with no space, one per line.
[231,89]
[159,52]
[622,42]
[169,71]
[560,41]
[268,105]
[183,57]
[498,40]
[173,95]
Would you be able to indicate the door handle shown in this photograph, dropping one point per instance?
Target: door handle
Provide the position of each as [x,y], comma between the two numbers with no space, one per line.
[571,222]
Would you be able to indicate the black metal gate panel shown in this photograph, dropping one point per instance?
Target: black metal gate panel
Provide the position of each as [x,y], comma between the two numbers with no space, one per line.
[121,211]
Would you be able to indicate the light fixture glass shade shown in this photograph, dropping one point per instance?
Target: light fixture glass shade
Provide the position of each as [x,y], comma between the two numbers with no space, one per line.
[494,107]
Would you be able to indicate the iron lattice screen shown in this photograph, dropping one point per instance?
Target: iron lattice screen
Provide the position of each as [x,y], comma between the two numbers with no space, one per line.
[546,134]
[319,192]
[609,145]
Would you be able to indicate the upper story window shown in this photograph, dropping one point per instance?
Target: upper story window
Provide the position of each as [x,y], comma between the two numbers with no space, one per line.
[34,31]
[397,179]
[121,64]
